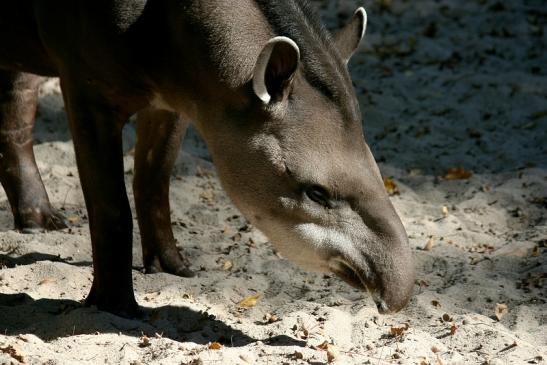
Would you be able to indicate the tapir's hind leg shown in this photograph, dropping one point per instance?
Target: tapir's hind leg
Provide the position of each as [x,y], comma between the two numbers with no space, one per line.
[159,135]
[18,171]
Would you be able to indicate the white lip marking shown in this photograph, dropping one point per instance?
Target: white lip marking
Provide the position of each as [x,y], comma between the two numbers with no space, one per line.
[322,236]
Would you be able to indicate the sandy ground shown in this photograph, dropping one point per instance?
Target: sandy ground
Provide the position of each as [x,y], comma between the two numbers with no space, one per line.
[442,84]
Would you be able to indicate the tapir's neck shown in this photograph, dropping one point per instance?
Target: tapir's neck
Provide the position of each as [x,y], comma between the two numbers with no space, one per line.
[211,52]
[219,41]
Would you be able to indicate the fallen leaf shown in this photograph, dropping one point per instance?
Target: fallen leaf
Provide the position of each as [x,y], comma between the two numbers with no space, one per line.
[144,341]
[445,211]
[324,346]
[457,173]
[391,187]
[151,296]
[332,354]
[249,302]
[398,331]
[422,283]
[73,219]
[187,296]
[208,195]
[538,115]
[429,244]
[246,358]
[436,303]
[47,281]
[453,329]
[446,317]
[11,351]
[500,311]
[214,346]
[435,349]
[270,318]
[227,265]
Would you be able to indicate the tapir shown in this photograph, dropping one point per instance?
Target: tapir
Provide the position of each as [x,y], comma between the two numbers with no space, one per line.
[264,83]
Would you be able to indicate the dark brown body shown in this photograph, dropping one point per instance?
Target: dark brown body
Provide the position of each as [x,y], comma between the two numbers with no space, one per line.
[172,62]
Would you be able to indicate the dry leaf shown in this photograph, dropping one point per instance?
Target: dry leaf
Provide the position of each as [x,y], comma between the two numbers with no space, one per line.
[298,355]
[270,318]
[391,187]
[214,346]
[429,244]
[457,173]
[249,302]
[446,317]
[47,281]
[73,219]
[332,354]
[435,349]
[208,195]
[11,351]
[500,311]
[246,358]
[227,265]
[436,303]
[445,211]
[144,341]
[453,329]
[398,331]
[324,346]
[422,283]
[151,296]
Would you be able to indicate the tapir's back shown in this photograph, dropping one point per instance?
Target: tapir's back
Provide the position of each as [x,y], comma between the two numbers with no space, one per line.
[34,32]
[20,45]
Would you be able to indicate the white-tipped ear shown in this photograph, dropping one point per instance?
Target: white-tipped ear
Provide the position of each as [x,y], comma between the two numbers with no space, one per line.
[275,68]
[363,15]
[347,39]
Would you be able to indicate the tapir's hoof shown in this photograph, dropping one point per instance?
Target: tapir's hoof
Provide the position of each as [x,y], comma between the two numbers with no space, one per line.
[118,305]
[171,264]
[47,220]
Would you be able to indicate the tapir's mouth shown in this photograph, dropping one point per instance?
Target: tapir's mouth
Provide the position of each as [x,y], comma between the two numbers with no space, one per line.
[358,279]
[350,275]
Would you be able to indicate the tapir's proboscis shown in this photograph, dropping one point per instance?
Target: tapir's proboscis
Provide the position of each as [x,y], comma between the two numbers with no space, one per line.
[265,85]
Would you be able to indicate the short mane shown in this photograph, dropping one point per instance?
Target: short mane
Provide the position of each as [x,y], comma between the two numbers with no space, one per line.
[298,20]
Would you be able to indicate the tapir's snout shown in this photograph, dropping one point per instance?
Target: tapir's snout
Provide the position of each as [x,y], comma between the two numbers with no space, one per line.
[382,263]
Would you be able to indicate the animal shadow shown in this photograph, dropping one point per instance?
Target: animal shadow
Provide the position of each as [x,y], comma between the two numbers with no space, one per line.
[53,318]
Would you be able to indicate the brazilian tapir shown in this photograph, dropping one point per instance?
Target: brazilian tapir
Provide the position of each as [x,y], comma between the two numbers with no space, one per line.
[264,83]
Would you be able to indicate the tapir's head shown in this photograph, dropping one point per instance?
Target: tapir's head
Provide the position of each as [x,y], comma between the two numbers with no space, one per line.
[296,164]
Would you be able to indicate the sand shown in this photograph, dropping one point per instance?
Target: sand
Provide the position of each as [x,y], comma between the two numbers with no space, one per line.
[442,84]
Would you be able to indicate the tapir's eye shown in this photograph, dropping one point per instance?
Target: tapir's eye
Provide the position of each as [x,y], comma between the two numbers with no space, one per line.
[318,194]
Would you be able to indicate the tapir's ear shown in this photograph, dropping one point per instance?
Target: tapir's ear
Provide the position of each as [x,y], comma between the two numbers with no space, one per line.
[347,39]
[275,68]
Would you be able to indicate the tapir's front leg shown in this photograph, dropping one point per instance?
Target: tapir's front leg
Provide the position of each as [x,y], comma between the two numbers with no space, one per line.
[159,135]
[96,125]
[18,171]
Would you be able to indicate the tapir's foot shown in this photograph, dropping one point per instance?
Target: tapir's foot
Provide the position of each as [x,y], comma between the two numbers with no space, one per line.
[40,220]
[117,302]
[168,260]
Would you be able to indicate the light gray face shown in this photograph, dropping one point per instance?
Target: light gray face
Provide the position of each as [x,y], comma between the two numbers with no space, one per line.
[307,179]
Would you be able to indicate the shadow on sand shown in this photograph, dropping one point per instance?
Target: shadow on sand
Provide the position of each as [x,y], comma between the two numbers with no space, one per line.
[50,318]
